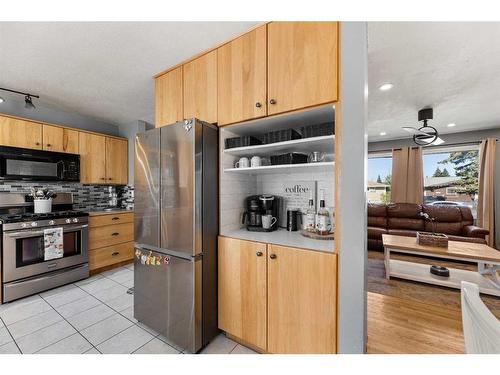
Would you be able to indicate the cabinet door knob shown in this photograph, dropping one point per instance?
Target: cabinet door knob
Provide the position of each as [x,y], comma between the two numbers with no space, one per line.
[272,101]
[109,178]
[102,178]
[259,253]
[37,143]
[273,256]
[49,145]
[258,104]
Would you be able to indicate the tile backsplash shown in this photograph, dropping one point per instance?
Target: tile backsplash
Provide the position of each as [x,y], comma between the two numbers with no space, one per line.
[85,197]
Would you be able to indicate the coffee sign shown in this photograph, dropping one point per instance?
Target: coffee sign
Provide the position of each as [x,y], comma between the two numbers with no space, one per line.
[296,196]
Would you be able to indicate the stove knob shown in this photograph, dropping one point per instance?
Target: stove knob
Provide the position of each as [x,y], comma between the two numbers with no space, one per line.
[68,221]
[52,222]
[34,224]
[75,220]
[23,225]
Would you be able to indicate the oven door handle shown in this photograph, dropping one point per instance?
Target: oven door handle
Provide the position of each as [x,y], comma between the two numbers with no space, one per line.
[32,233]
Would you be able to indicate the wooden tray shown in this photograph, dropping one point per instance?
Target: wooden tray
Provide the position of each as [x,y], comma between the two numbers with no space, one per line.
[326,237]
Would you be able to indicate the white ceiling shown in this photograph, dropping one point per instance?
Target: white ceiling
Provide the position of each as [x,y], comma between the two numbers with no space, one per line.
[101,69]
[453,67]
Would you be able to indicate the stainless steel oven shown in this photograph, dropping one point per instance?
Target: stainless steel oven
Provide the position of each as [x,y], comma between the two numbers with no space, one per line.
[24,251]
[37,165]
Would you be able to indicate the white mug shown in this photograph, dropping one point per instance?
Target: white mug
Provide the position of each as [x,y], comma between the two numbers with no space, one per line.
[242,163]
[268,221]
[255,162]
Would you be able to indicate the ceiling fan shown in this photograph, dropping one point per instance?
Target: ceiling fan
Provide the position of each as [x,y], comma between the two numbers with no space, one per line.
[426,135]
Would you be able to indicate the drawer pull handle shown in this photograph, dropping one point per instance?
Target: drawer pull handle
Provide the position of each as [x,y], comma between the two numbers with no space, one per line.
[115,254]
[115,218]
[115,234]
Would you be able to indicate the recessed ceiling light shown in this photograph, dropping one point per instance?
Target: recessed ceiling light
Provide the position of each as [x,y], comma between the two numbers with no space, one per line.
[383,133]
[386,87]
[1,99]
[451,125]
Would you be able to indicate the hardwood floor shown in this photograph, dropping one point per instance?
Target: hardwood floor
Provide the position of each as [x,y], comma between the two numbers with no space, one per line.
[401,326]
[411,317]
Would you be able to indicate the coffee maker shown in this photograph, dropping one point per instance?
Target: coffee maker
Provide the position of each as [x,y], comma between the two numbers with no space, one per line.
[258,205]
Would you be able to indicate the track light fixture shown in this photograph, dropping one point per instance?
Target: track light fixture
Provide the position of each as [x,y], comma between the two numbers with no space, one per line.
[28,103]
[28,98]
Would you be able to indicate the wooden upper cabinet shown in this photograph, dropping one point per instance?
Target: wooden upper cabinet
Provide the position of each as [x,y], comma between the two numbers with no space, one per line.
[242,290]
[116,161]
[168,98]
[302,288]
[302,64]
[200,88]
[242,78]
[20,133]
[92,158]
[60,139]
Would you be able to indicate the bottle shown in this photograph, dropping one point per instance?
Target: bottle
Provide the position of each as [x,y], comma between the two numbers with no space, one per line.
[310,224]
[323,224]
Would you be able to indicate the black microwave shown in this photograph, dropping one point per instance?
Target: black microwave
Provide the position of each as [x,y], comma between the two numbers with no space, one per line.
[37,165]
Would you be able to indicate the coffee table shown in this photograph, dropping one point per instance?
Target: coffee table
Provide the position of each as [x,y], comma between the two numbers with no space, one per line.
[487,260]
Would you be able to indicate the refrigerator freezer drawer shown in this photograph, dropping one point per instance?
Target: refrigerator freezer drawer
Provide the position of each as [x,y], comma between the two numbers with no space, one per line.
[167,298]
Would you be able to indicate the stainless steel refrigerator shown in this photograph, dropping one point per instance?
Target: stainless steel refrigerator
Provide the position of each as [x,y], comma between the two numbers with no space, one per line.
[176,227]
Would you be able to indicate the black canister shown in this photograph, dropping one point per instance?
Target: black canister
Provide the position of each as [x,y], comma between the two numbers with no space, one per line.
[292,217]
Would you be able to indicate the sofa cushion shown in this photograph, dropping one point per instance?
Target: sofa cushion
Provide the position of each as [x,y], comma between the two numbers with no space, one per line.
[376,233]
[443,214]
[377,209]
[377,215]
[467,218]
[404,210]
[377,221]
[447,220]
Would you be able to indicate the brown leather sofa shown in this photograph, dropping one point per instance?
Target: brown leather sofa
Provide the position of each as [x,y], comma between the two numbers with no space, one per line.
[404,219]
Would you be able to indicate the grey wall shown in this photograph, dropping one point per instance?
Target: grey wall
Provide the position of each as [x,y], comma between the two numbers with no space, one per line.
[129,132]
[451,139]
[15,107]
[352,189]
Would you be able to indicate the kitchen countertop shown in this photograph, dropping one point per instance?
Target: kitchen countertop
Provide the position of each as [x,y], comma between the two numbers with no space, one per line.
[99,212]
[284,238]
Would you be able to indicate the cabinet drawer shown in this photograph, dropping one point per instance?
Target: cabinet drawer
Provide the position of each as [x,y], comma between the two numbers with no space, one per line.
[110,235]
[109,219]
[110,255]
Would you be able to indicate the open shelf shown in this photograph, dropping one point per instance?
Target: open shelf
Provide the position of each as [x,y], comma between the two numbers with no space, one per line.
[306,145]
[285,168]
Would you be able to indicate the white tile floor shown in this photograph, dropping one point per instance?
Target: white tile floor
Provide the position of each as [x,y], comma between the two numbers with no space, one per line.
[91,316]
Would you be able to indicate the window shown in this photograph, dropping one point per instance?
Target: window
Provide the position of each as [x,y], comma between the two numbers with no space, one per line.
[451,176]
[379,177]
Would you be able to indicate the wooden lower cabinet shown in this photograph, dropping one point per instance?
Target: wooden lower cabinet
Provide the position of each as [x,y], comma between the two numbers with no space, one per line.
[301,296]
[111,239]
[243,290]
[107,256]
[283,301]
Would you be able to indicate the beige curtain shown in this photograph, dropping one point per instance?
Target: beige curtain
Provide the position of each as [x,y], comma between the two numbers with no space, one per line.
[486,203]
[407,182]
